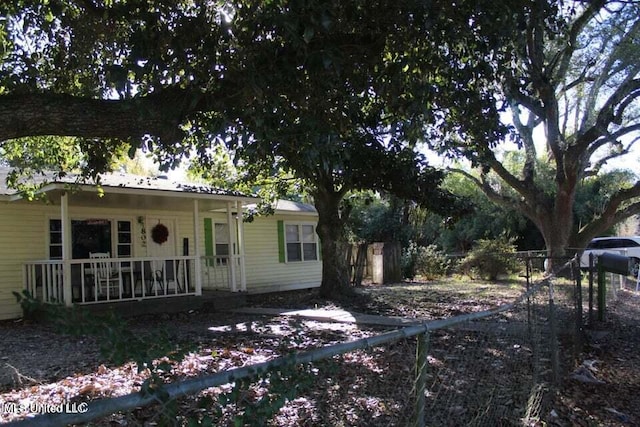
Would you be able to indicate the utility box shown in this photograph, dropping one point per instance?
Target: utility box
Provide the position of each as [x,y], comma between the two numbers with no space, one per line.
[377,264]
[614,263]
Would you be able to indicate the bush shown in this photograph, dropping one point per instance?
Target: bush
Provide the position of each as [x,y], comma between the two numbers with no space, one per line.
[490,258]
[408,261]
[34,309]
[428,262]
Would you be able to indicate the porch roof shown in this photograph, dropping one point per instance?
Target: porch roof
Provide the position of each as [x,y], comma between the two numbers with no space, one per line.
[123,188]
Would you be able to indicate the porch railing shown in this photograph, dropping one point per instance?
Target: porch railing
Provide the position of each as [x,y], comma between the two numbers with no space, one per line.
[215,272]
[112,279]
[43,280]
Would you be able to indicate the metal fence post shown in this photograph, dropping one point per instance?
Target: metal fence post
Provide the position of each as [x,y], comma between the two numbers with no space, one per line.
[602,292]
[578,308]
[555,361]
[591,289]
[421,379]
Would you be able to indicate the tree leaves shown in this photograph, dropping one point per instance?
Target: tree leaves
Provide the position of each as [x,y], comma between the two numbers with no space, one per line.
[337,94]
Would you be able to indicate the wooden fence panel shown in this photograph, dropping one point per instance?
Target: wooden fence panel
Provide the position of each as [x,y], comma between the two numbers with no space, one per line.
[391,258]
[360,259]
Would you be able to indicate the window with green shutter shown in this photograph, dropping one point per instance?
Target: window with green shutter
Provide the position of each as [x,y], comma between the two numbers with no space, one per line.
[297,242]
[216,242]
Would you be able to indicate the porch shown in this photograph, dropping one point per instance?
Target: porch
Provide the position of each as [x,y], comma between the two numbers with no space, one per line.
[106,280]
[136,239]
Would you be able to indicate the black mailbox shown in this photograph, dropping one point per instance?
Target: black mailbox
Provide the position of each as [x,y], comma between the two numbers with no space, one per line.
[614,263]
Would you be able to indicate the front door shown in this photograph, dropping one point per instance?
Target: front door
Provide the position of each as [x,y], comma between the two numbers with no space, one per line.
[161,239]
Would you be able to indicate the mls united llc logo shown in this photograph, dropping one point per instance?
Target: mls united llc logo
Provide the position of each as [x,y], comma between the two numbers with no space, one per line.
[36,408]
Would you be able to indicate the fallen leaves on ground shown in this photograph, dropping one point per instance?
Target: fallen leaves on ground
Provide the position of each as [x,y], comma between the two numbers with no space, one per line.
[38,365]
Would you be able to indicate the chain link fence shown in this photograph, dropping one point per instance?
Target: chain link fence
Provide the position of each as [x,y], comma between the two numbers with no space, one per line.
[484,368]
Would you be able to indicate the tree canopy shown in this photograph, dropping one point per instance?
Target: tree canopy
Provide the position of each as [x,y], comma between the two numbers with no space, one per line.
[151,72]
[576,78]
[338,92]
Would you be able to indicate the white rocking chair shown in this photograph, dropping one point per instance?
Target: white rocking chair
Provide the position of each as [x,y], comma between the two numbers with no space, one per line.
[105,274]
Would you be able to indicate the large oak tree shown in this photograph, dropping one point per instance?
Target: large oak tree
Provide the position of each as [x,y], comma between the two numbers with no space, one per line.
[337,92]
[577,78]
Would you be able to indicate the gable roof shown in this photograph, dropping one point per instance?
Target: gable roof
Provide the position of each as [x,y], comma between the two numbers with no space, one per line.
[290,206]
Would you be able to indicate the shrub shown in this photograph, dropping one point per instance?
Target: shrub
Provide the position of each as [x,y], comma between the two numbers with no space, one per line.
[428,262]
[408,261]
[490,259]
[34,309]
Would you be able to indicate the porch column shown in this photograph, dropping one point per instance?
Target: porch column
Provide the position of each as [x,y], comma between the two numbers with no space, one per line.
[196,247]
[66,249]
[233,246]
[240,226]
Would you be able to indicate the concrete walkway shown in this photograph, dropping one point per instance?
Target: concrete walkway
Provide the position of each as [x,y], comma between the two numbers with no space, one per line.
[341,316]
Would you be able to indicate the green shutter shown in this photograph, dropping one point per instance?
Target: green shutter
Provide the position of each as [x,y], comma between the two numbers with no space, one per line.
[281,243]
[208,240]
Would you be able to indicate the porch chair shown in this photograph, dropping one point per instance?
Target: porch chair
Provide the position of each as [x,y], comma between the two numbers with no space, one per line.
[167,276]
[105,274]
[145,275]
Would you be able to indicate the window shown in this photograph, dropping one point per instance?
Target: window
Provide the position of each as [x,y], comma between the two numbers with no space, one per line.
[91,235]
[216,242]
[124,239]
[222,243]
[222,239]
[55,239]
[627,243]
[301,242]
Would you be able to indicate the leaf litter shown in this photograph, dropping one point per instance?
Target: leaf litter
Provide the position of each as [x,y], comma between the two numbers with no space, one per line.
[39,365]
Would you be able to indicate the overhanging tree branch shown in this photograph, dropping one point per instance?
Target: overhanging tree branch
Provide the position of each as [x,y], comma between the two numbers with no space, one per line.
[608,114]
[614,139]
[157,114]
[524,188]
[561,61]
[612,214]
[493,195]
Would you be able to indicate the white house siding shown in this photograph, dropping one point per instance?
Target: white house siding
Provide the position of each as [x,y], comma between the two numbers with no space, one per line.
[264,271]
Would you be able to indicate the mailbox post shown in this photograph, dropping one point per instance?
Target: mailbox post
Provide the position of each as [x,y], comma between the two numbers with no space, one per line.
[612,263]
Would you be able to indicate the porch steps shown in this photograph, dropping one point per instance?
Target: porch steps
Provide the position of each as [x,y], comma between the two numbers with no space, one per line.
[209,301]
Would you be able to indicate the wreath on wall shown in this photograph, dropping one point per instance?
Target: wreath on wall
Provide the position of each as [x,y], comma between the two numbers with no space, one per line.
[159,233]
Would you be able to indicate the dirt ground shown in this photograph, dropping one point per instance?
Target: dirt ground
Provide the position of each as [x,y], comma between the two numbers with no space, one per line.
[612,352]
[40,364]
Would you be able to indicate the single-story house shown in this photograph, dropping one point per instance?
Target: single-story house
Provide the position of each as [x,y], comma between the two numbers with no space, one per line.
[139,238]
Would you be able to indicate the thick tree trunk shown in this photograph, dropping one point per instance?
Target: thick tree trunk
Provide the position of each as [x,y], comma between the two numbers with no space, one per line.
[556,225]
[331,230]
[556,244]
